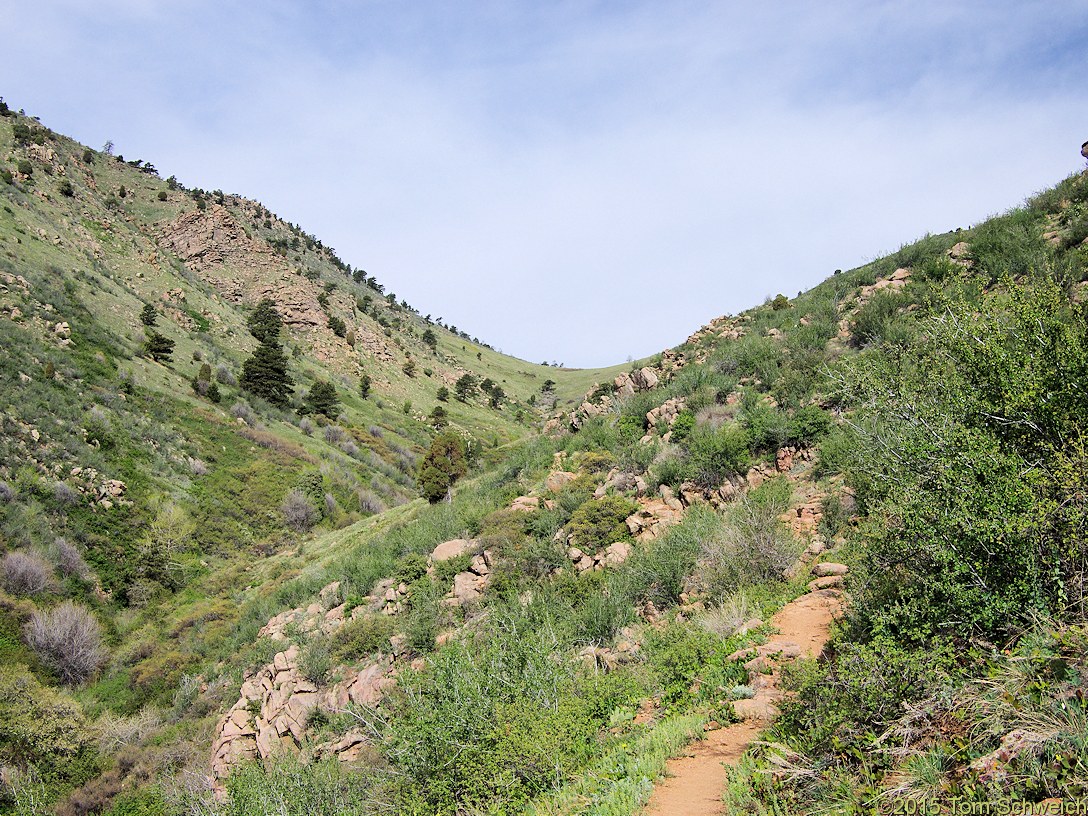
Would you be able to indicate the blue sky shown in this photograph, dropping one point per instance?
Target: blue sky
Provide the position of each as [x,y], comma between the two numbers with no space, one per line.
[577,181]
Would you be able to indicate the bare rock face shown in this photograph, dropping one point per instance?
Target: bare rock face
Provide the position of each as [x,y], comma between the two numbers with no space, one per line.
[216,246]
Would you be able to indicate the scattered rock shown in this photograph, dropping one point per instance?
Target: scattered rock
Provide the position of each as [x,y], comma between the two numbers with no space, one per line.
[827,568]
[826,582]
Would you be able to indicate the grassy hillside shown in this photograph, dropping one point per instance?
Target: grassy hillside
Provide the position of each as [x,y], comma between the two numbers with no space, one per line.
[273,620]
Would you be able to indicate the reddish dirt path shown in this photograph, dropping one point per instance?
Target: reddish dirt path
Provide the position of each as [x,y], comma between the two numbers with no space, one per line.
[693,782]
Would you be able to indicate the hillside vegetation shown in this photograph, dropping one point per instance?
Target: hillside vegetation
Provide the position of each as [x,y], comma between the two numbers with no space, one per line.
[236,599]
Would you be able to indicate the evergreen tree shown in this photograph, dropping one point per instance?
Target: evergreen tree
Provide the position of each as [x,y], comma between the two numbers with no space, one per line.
[443,394]
[264,321]
[439,417]
[464,387]
[496,396]
[149,316]
[430,339]
[364,386]
[443,465]
[265,373]
[159,347]
[321,399]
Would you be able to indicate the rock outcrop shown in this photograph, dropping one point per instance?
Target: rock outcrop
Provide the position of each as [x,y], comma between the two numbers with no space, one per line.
[276,702]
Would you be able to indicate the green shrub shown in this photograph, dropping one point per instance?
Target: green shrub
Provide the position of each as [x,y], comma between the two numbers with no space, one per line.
[875,318]
[489,721]
[600,522]
[42,728]
[683,426]
[714,454]
[287,787]
[679,654]
[657,571]
[360,638]
[807,425]
[842,708]
[315,660]
[766,426]
[1011,245]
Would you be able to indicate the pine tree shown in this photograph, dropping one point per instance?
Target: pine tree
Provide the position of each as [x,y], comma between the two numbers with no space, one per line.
[321,399]
[265,373]
[430,339]
[159,347]
[464,387]
[264,321]
[364,386]
[149,316]
[443,465]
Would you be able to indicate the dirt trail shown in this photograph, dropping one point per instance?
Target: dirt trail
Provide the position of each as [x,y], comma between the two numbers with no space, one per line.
[693,782]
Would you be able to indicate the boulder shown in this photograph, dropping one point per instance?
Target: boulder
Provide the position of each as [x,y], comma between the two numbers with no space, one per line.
[644,379]
[826,582]
[558,479]
[827,568]
[616,553]
[526,504]
[452,549]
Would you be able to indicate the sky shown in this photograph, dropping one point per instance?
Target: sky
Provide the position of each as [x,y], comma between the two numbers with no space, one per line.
[578,182]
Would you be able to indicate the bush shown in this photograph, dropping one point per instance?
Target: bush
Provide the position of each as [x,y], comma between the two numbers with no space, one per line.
[842,709]
[69,560]
[42,728]
[751,547]
[65,188]
[68,640]
[808,424]
[712,455]
[358,639]
[224,376]
[26,574]
[314,661]
[600,522]
[875,318]
[298,513]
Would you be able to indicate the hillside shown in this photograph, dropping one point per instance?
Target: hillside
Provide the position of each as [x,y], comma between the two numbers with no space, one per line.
[239,606]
